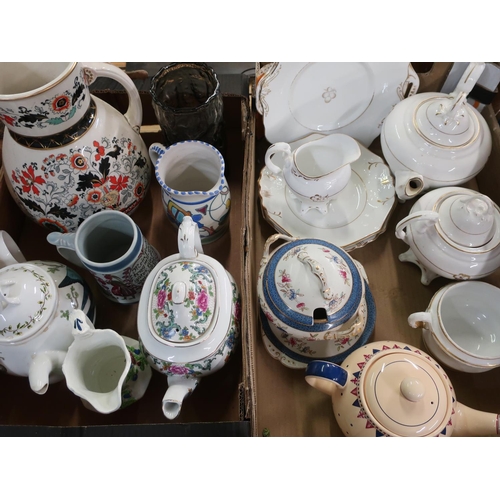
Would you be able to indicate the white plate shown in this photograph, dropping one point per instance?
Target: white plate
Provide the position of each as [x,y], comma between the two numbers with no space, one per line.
[356,217]
[300,99]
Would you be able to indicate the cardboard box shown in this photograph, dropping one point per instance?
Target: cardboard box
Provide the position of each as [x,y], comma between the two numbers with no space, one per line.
[216,407]
[280,402]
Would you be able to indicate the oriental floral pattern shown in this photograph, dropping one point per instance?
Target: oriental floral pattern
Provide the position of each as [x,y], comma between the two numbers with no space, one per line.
[66,188]
[138,366]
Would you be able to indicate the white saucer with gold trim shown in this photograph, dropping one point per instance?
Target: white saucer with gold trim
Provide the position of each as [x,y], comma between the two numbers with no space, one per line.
[357,216]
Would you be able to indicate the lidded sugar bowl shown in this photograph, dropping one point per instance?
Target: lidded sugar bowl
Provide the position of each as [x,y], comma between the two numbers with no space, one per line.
[394,389]
[452,232]
[315,301]
[188,317]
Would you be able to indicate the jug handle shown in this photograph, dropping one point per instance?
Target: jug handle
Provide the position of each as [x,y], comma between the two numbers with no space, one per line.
[65,244]
[429,216]
[94,70]
[326,376]
[279,147]
[9,251]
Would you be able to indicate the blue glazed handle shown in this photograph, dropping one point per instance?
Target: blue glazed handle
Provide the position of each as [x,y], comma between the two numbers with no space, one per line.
[326,376]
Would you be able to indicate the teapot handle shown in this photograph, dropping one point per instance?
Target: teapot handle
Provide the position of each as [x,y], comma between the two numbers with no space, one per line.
[94,70]
[428,216]
[326,376]
[188,239]
[9,251]
[279,147]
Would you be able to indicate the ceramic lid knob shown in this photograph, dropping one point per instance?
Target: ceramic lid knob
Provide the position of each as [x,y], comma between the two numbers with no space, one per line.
[468,220]
[446,121]
[412,389]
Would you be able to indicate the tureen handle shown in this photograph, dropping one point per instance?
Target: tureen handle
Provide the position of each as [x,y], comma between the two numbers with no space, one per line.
[319,272]
[326,376]
[272,239]
[279,147]
[188,239]
[420,320]
[429,217]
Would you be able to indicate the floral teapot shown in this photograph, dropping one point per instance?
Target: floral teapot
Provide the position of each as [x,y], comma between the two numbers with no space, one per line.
[188,317]
[67,154]
[36,301]
[393,389]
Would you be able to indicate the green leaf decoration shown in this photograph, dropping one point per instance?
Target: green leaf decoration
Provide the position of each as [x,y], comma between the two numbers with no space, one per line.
[54,121]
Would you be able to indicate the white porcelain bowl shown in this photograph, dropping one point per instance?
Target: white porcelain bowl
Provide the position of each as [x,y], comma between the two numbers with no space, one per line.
[461,326]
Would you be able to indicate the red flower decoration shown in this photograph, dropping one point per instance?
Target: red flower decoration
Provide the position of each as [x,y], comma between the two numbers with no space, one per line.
[300,305]
[78,161]
[29,180]
[60,103]
[74,201]
[7,119]
[100,151]
[94,196]
[118,184]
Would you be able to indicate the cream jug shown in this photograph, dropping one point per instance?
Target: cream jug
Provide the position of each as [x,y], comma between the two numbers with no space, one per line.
[67,154]
[108,371]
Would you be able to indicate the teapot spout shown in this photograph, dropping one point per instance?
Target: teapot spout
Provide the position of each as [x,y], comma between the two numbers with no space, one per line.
[469,422]
[178,388]
[408,184]
[46,367]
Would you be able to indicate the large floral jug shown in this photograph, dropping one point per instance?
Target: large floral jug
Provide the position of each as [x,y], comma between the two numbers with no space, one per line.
[68,154]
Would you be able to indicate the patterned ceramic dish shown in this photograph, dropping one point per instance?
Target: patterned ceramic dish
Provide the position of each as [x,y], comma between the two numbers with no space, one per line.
[314,300]
[357,216]
[300,99]
[188,317]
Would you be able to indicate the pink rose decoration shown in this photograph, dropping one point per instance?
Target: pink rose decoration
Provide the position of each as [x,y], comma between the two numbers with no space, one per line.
[285,278]
[162,295]
[300,305]
[202,301]
[179,370]
[343,274]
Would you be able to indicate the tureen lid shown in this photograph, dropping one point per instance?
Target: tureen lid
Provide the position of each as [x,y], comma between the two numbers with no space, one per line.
[312,285]
[27,299]
[467,219]
[183,303]
[406,393]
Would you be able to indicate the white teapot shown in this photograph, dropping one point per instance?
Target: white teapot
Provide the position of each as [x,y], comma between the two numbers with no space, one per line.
[389,388]
[435,140]
[188,317]
[36,302]
[452,232]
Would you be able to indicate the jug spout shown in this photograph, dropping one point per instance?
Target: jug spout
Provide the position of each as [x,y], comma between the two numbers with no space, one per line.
[46,367]
[470,422]
[178,388]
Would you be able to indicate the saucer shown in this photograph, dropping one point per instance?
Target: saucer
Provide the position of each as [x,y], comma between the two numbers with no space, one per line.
[297,99]
[292,359]
[357,216]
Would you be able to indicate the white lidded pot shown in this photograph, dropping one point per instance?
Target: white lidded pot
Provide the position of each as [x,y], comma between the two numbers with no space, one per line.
[435,140]
[315,301]
[390,388]
[188,317]
[36,301]
[460,326]
[452,232]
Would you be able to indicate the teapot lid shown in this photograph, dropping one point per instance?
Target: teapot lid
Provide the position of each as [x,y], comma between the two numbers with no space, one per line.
[467,219]
[27,299]
[446,122]
[406,394]
[312,285]
[183,303]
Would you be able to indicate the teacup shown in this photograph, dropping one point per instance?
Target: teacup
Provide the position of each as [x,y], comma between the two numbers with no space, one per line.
[316,171]
[111,246]
[460,326]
